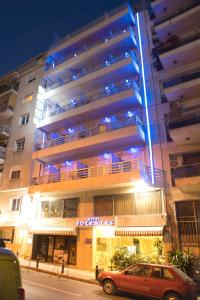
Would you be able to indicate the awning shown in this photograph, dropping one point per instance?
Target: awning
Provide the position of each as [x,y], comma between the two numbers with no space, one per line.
[53,230]
[139,231]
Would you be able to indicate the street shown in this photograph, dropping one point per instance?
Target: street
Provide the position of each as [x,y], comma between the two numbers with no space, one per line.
[40,286]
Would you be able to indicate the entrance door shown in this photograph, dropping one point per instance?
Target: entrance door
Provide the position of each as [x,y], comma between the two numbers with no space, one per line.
[42,247]
[72,250]
[50,251]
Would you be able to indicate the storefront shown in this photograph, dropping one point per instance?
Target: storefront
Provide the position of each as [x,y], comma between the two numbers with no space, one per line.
[107,238]
[54,246]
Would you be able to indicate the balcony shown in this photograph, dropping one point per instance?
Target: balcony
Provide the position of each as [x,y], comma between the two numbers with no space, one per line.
[185,86]
[178,22]
[115,43]
[119,97]
[190,118]
[2,155]
[120,17]
[4,132]
[117,68]
[187,178]
[97,177]
[180,52]
[107,136]
[165,8]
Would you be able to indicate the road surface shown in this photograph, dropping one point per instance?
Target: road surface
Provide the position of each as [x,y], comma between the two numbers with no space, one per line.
[40,286]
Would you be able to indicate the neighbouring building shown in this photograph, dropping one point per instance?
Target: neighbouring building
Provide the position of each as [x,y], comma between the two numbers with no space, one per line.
[103,147]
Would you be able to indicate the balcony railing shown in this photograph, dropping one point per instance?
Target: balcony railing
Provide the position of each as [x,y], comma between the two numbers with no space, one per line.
[102,128]
[183,10]
[105,170]
[88,99]
[187,171]
[189,233]
[187,117]
[177,44]
[85,47]
[89,25]
[85,72]
[115,168]
[4,129]
[181,79]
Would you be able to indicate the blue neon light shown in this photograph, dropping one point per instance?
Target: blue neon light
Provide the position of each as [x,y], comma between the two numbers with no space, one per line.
[146,101]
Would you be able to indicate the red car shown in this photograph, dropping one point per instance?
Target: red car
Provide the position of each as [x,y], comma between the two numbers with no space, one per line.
[165,282]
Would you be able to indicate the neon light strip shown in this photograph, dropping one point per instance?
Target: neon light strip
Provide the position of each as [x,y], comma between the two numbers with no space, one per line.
[146,101]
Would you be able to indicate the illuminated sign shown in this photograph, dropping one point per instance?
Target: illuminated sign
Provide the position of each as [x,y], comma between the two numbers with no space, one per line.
[95,221]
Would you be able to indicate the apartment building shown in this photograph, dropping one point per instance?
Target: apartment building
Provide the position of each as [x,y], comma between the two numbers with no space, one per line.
[103,147]
[176,57]
[18,93]
[97,170]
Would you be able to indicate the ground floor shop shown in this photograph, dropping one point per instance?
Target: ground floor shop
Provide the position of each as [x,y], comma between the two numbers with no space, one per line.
[55,248]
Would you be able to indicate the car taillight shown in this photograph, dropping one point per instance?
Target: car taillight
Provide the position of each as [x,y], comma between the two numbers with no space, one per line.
[21,293]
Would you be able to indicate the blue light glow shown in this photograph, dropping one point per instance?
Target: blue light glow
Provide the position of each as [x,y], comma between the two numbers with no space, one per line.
[146,101]
[68,163]
[127,81]
[133,150]
[124,30]
[106,40]
[70,130]
[107,120]
[107,62]
[74,77]
[126,54]
[106,88]
[130,114]
[107,155]
[75,54]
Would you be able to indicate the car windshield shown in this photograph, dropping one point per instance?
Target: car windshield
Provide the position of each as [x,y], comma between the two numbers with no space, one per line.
[183,275]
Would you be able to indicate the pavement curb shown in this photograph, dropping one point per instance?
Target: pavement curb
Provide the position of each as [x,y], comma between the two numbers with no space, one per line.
[60,275]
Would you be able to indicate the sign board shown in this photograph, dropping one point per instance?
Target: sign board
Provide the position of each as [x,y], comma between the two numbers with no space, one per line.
[95,221]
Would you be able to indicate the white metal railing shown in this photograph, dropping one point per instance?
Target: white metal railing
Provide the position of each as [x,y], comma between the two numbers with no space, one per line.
[88,99]
[102,128]
[104,170]
[84,72]
[96,171]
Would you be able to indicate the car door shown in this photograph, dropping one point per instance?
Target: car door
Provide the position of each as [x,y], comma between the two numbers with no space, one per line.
[135,279]
[161,280]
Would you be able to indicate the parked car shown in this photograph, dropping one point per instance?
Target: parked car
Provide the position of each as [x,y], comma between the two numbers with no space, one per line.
[165,282]
[10,277]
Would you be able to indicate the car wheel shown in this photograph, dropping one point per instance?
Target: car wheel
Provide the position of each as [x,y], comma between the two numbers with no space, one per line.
[171,296]
[109,287]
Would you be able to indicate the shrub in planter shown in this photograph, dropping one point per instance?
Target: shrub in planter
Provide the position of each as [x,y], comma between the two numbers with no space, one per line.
[184,260]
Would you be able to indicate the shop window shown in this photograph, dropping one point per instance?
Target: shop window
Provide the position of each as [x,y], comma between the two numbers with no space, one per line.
[15,175]
[24,119]
[16,204]
[19,144]
[27,98]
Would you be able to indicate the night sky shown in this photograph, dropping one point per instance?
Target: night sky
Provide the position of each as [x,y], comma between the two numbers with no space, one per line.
[27,28]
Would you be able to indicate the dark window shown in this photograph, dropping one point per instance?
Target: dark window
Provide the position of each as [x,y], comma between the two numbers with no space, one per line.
[15,175]
[24,119]
[16,204]
[70,208]
[156,272]
[20,144]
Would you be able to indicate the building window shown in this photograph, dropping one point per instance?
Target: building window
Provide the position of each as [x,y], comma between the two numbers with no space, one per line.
[15,175]
[27,98]
[24,119]
[128,204]
[65,208]
[20,144]
[16,204]
[188,217]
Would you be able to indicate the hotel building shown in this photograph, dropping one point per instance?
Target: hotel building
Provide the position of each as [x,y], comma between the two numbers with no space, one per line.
[111,150]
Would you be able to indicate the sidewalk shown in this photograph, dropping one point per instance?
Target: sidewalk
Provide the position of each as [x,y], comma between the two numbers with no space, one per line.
[55,269]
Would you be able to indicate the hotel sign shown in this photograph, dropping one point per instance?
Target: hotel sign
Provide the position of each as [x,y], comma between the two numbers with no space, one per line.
[94,221]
